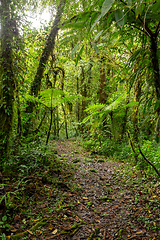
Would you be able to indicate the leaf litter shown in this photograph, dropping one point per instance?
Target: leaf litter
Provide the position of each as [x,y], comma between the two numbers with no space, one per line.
[96,198]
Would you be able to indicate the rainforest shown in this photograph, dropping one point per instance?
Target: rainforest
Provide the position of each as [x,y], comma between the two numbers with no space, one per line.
[80,119]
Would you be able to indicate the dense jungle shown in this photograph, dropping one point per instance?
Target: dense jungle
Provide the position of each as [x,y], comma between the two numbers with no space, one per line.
[80,119]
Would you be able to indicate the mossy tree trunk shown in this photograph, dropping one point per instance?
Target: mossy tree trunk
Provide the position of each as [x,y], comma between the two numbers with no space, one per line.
[102,86]
[47,51]
[7,81]
[135,120]
[156,74]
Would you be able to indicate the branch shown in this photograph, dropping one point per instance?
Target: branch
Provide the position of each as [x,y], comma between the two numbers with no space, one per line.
[146,28]
[157,29]
[149,161]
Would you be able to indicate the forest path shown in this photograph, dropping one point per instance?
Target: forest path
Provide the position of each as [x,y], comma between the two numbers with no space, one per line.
[102,201]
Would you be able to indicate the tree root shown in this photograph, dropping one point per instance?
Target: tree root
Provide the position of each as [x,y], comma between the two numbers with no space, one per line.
[32,229]
[71,231]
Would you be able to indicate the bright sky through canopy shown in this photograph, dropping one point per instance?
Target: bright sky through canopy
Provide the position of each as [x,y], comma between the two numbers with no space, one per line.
[40,18]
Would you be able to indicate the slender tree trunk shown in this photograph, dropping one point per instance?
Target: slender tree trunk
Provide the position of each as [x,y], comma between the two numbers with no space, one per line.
[47,51]
[50,126]
[124,121]
[102,86]
[102,97]
[65,120]
[156,74]
[83,93]
[78,106]
[83,90]
[57,117]
[7,80]
[137,93]
[155,64]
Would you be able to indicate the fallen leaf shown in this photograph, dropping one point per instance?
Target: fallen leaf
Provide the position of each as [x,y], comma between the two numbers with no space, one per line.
[50,227]
[70,195]
[29,232]
[50,194]
[77,218]
[55,231]
[127,197]
[85,197]
[154,196]
[138,233]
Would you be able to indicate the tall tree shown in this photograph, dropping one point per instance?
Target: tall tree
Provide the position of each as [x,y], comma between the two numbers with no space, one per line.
[7,81]
[47,51]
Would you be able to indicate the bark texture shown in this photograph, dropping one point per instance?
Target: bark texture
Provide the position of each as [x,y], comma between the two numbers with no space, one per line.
[7,81]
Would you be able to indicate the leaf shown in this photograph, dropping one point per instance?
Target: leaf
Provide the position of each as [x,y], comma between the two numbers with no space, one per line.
[36,220]
[95,47]
[55,231]
[116,103]
[50,194]
[138,10]
[156,106]
[97,20]
[30,232]
[98,35]
[119,18]
[51,95]
[130,3]
[107,4]
[74,50]
[79,54]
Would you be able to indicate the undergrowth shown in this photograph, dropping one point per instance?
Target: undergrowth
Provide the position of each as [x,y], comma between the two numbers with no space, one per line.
[26,178]
[121,151]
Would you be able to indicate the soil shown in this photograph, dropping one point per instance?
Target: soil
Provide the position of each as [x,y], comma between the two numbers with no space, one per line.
[98,198]
[112,206]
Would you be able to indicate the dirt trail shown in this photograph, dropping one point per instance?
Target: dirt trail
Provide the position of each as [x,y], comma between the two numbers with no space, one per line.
[105,203]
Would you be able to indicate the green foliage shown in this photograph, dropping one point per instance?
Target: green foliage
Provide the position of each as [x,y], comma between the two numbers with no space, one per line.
[28,158]
[107,4]
[119,18]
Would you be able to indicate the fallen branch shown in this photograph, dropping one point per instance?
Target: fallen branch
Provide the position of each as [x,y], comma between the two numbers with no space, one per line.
[149,161]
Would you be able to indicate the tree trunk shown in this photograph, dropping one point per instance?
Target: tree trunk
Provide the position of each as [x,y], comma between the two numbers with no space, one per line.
[137,94]
[7,80]
[102,86]
[78,106]
[155,64]
[47,51]
[156,74]
[65,120]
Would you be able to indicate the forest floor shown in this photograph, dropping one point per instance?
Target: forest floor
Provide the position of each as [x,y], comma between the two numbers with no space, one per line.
[94,198]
